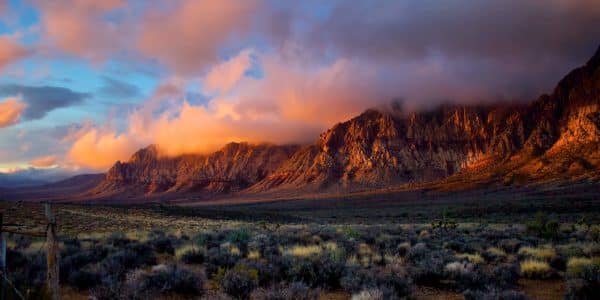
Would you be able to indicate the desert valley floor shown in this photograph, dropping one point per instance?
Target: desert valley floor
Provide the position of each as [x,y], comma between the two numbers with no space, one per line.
[503,244]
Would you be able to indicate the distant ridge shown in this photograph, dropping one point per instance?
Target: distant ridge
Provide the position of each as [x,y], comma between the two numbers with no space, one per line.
[552,140]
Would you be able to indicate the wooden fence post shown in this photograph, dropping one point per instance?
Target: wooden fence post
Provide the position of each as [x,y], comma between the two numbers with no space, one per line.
[2,258]
[52,253]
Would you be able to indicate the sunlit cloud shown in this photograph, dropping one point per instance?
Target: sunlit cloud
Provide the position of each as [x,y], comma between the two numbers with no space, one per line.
[44,161]
[11,109]
[10,51]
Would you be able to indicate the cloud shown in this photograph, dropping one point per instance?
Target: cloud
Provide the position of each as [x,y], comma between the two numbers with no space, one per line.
[222,77]
[284,106]
[10,51]
[44,162]
[187,35]
[525,44]
[98,149]
[84,28]
[11,109]
[118,89]
[43,99]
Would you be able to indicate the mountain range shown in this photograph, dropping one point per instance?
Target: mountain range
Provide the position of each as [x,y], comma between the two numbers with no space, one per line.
[554,139]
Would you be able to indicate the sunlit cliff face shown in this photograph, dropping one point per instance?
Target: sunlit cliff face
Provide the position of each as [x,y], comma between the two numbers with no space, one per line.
[86,83]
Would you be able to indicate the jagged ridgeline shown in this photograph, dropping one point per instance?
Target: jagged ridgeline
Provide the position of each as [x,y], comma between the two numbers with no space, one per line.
[553,138]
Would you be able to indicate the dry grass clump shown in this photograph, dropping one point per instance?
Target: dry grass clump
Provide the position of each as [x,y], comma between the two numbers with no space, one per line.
[304,251]
[545,253]
[185,249]
[575,265]
[532,268]
[472,258]
[254,254]
[497,251]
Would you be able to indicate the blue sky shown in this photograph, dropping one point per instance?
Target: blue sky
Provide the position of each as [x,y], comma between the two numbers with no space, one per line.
[84,83]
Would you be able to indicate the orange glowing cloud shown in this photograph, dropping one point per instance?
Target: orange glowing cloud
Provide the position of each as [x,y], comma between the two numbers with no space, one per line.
[10,51]
[44,161]
[187,36]
[292,103]
[99,150]
[11,110]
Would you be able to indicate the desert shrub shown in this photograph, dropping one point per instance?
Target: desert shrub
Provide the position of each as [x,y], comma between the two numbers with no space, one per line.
[510,245]
[240,281]
[403,248]
[261,243]
[506,275]
[76,261]
[27,271]
[190,255]
[458,246]
[22,242]
[118,263]
[472,258]
[570,250]
[493,294]
[170,279]
[591,249]
[304,251]
[429,270]
[70,247]
[584,284]
[531,268]
[294,291]
[218,257]
[117,239]
[466,275]
[268,271]
[494,254]
[163,244]
[319,271]
[543,226]
[575,265]
[558,263]
[417,252]
[83,279]
[392,284]
[368,294]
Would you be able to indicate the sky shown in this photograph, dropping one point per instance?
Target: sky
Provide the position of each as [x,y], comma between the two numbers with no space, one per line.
[84,83]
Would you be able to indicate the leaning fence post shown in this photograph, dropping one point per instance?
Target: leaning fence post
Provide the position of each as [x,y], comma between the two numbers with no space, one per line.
[52,254]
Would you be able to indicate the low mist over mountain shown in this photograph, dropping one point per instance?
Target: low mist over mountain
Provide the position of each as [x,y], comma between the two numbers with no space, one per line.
[552,139]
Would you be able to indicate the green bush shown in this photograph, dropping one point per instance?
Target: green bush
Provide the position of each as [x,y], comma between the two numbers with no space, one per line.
[543,226]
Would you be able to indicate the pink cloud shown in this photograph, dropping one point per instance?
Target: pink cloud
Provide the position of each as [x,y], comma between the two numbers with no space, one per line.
[11,110]
[10,51]
[187,36]
[78,27]
[222,77]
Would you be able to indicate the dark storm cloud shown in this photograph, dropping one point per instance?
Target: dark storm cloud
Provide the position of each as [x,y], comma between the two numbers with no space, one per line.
[511,47]
[117,88]
[42,99]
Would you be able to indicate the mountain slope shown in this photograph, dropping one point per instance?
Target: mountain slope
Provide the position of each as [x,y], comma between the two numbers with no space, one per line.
[235,167]
[555,138]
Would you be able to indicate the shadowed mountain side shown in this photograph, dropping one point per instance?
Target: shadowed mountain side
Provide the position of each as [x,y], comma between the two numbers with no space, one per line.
[233,168]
